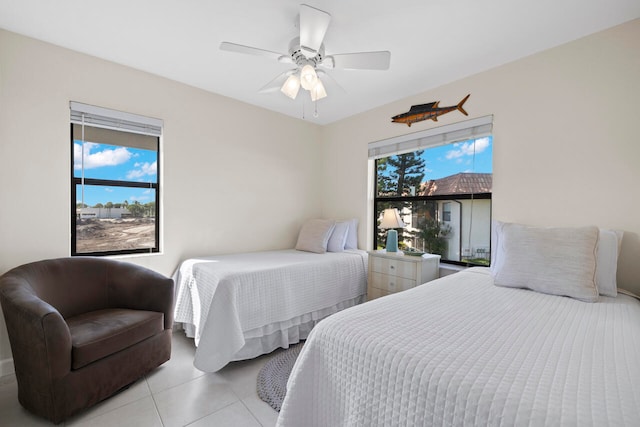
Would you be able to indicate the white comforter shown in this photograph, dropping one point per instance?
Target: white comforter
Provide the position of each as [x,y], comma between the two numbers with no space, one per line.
[460,351]
[227,299]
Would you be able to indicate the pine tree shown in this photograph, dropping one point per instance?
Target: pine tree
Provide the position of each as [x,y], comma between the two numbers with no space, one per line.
[406,172]
[384,182]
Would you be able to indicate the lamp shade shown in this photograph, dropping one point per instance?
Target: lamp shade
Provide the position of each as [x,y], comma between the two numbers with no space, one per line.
[391,219]
[291,86]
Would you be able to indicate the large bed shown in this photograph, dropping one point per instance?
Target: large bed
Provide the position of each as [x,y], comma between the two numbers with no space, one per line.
[471,350]
[243,305]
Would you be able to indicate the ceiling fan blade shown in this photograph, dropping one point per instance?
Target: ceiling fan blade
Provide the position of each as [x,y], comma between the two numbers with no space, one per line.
[275,84]
[313,26]
[332,83]
[238,48]
[361,60]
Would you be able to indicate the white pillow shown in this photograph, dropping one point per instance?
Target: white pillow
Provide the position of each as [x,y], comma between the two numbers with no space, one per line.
[556,261]
[338,237]
[496,234]
[352,236]
[607,261]
[314,235]
[609,242]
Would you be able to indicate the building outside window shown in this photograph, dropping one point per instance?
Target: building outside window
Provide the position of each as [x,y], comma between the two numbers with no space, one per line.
[115,183]
[443,194]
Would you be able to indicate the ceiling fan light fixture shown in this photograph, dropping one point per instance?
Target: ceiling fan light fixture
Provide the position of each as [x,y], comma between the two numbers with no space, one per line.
[318,91]
[306,52]
[308,77]
[291,86]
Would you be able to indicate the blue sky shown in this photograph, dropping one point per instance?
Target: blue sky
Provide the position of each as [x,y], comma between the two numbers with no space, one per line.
[115,163]
[458,157]
[450,159]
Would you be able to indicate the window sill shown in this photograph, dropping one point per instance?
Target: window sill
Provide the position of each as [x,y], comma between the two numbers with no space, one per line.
[447,269]
[126,256]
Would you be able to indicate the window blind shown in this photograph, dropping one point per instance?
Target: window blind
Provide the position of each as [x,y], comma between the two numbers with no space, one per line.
[112,119]
[460,131]
[115,137]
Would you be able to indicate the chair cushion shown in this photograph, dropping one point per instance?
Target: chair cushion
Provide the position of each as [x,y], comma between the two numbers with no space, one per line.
[99,333]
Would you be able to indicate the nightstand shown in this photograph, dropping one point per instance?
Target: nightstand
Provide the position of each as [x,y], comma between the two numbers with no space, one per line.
[391,272]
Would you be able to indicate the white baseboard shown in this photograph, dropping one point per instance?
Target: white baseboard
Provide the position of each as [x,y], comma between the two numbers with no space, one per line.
[6,367]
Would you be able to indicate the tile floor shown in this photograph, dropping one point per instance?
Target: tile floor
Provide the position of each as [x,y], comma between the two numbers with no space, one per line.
[175,394]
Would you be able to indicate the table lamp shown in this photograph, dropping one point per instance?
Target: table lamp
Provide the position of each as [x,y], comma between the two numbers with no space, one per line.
[391,220]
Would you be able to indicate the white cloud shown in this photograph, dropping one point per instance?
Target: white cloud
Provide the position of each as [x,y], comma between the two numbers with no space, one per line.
[143,169]
[467,148]
[107,157]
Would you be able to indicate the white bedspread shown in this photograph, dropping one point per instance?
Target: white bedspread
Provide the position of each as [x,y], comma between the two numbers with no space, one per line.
[230,298]
[460,351]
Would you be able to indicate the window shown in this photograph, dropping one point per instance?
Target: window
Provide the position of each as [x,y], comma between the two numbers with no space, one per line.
[115,185]
[446,212]
[440,181]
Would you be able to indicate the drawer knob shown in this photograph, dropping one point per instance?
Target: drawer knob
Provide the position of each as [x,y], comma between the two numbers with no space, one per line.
[392,267]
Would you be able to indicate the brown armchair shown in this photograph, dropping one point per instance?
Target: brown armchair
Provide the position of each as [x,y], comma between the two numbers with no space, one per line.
[83,328]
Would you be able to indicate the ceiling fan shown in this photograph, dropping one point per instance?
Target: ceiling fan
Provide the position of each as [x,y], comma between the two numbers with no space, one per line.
[307,53]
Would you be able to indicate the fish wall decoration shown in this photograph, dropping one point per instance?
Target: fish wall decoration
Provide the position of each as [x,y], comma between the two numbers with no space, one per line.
[421,112]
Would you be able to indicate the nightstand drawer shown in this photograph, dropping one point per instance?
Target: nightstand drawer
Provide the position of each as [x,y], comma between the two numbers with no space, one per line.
[389,283]
[394,267]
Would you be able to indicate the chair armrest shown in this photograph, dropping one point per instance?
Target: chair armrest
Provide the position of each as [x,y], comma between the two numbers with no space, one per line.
[136,287]
[39,336]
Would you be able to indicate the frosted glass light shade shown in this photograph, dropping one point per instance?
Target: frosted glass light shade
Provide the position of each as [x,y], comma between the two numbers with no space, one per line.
[318,91]
[291,86]
[308,77]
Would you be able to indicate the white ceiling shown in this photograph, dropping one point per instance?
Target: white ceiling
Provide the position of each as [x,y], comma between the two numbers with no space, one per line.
[432,42]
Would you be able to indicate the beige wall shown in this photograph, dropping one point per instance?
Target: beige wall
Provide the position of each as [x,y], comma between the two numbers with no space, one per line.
[235,177]
[565,151]
[566,146]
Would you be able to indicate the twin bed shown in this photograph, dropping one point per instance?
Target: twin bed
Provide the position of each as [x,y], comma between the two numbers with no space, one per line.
[542,338]
[514,344]
[240,306]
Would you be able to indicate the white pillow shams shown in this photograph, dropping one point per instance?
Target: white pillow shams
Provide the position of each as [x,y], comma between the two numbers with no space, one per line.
[314,235]
[609,242]
[338,237]
[556,261]
[607,261]
[496,253]
[352,236]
